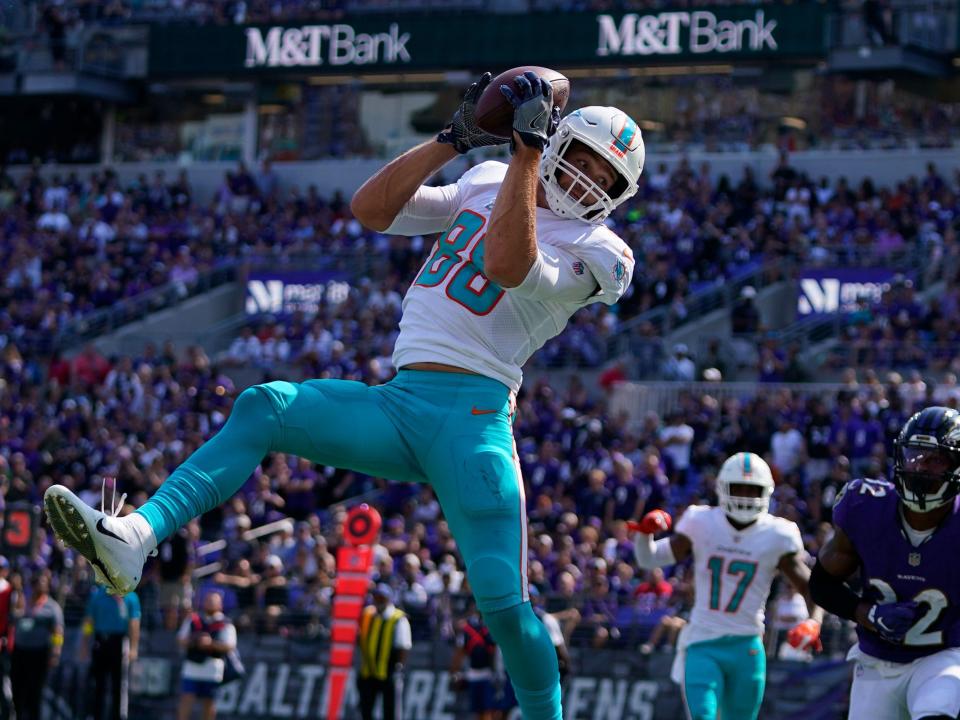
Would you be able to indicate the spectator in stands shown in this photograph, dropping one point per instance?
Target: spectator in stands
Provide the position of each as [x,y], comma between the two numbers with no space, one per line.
[599,613]
[787,447]
[745,317]
[654,591]
[668,627]
[817,441]
[680,367]
[413,596]
[676,443]
[175,556]
[592,500]
[273,590]
[207,637]
[90,366]
[875,17]
[553,630]
[790,609]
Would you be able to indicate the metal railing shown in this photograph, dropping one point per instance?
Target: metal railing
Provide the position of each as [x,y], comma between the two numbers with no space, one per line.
[213,338]
[356,263]
[217,546]
[925,355]
[658,322]
[808,332]
[813,330]
[106,320]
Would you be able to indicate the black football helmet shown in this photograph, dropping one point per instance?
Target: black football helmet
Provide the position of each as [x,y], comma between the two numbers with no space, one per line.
[927,459]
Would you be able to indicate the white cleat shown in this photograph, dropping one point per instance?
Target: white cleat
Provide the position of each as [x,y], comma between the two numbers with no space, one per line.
[114,546]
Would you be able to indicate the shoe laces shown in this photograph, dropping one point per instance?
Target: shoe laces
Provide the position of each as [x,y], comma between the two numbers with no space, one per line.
[115,507]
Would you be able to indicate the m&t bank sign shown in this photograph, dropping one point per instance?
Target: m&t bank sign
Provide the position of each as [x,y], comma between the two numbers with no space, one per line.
[314,45]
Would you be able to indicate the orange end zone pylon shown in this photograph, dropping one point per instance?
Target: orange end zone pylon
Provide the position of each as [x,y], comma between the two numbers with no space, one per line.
[354,560]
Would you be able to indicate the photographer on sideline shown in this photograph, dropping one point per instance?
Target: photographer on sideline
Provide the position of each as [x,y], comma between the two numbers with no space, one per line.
[208,638]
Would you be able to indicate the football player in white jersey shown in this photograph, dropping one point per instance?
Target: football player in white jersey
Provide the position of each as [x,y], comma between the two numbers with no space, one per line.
[737,550]
[522,247]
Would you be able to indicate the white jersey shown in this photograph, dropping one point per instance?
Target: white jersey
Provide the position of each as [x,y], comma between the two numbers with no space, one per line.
[733,570]
[452,314]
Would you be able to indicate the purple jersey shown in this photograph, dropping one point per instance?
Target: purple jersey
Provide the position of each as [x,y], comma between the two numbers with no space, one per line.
[893,570]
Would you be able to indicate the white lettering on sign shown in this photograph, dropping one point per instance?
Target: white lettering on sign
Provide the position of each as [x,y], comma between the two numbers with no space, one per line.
[830,295]
[660,34]
[282,690]
[277,296]
[313,45]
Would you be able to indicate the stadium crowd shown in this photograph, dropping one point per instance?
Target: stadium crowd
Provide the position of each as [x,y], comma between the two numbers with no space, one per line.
[72,247]
[902,332]
[692,234]
[78,420]
[135,419]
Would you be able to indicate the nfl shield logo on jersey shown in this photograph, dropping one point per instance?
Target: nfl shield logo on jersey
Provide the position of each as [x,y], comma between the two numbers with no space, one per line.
[914,559]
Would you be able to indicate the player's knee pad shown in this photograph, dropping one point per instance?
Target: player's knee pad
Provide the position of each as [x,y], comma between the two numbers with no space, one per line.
[496,583]
[701,702]
[257,412]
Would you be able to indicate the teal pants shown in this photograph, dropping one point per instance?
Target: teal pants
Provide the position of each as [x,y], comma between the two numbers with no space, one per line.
[724,678]
[450,430]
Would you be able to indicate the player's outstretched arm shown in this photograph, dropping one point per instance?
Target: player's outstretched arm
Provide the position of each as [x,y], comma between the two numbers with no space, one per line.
[805,635]
[381,198]
[663,552]
[796,570]
[511,242]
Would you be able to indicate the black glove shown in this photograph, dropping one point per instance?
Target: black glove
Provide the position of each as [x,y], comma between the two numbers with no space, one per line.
[535,117]
[462,132]
[893,620]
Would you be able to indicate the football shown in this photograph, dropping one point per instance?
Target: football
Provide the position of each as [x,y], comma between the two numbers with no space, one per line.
[494,113]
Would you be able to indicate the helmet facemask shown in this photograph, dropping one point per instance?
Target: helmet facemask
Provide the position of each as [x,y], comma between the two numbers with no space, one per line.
[569,202]
[927,476]
[744,508]
[607,133]
[744,487]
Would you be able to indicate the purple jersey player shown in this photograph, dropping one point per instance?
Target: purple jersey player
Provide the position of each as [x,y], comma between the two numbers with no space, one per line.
[902,537]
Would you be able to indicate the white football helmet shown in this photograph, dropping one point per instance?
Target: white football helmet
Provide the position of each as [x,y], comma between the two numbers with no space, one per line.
[744,468]
[615,137]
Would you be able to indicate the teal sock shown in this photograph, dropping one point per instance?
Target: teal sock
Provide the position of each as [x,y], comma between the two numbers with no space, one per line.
[217,469]
[530,659]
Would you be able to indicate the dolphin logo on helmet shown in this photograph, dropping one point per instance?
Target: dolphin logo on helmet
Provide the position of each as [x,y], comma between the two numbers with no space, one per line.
[615,137]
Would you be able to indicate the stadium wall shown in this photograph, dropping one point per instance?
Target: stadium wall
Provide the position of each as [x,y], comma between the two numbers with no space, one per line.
[286,678]
[195,321]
